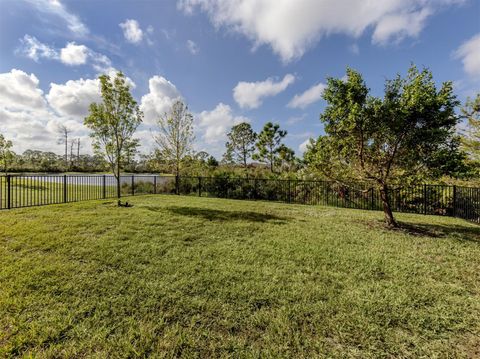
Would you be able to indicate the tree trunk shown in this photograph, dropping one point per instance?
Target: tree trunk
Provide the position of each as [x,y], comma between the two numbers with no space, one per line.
[387,210]
[118,178]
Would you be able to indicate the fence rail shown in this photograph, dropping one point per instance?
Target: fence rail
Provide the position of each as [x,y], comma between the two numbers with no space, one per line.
[36,190]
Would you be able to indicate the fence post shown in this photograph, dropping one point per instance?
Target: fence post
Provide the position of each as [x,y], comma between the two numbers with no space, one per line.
[424,199]
[154,184]
[9,197]
[199,186]
[104,189]
[64,188]
[133,185]
[454,200]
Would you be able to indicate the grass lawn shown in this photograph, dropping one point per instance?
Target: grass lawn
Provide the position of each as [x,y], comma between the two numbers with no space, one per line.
[201,277]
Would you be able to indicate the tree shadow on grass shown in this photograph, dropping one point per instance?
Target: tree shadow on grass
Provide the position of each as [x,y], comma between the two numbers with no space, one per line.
[454,231]
[219,215]
[466,233]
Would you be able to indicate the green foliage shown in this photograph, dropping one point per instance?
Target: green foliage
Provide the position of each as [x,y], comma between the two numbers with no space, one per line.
[241,144]
[177,276]
[471,138]
[406,135]
[6,154]
[286,158]
[269,144]
[212,162]
[175,136]
[113,123]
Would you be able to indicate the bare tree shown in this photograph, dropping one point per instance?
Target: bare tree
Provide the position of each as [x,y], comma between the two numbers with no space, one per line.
[78,150]
[175,135]
[73,143]
[64,131]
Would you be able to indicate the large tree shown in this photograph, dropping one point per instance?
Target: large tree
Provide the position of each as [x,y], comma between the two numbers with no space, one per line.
[286,158]
[471,138]
[269,144]
[241,143]
[406,135]
[175,135]
[6,154]
[113,123]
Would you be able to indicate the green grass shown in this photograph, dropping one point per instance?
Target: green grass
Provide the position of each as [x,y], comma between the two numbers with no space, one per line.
[200,277]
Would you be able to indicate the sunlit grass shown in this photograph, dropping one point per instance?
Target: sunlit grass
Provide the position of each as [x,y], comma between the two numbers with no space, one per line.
[187,276]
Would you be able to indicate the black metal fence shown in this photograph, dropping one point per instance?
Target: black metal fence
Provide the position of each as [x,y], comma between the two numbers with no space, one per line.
[35,190]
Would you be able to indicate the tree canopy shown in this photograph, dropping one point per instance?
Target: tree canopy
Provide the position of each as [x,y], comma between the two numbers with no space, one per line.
[269,144]
[113,123]
[471,138]
[6,154]
[241,144]
[407,134]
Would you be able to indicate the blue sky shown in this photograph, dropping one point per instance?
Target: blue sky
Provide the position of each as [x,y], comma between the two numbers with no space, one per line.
[257,61]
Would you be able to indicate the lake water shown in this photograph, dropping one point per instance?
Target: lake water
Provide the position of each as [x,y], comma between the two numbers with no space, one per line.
[95,179]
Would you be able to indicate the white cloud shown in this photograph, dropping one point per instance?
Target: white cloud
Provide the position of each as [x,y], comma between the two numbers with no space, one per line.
[354,49]
[303,146]
[132,31]
[291,27]
[73,98]
[469,54]
[313,94]
[71,55]
[215,124]
[251,94]
[26,117]
[34,49]
[397,26]
[161,96]
[30,118]
[57,9]
[296,119]
[192,47]
[19,91]
[74,54]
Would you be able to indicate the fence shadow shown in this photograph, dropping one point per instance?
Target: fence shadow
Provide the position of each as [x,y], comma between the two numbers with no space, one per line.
[226,216]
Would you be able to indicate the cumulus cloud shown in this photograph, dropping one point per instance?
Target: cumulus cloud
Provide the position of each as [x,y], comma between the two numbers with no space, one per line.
[26,117]
[74,97]
[19,90]
[132,31]
[215,124]
[74,54]
[291,27]
[469,54]
[160,98]
[192,47]
[251,94]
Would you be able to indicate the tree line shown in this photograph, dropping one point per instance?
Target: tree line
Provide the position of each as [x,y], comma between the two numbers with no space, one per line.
[409,134]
